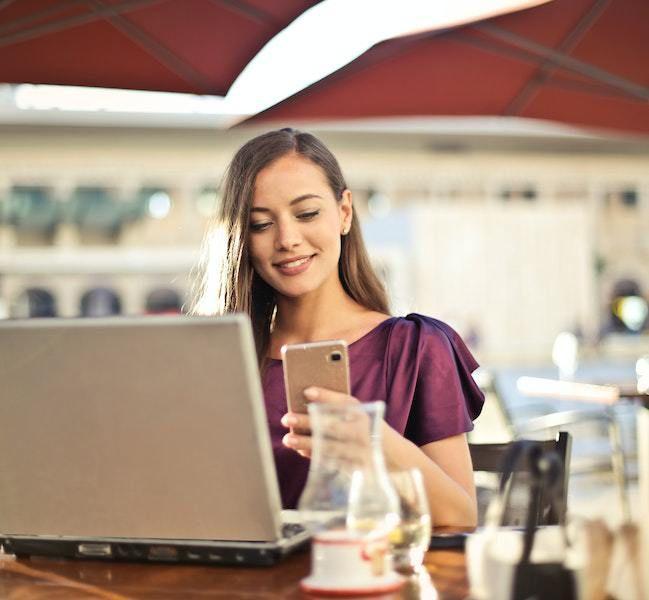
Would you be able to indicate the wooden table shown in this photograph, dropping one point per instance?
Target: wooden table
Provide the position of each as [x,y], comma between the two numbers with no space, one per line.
[70,580]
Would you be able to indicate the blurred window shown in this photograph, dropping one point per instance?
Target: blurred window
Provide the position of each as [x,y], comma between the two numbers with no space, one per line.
[625,196]
[153,202]
[100,302]
[519,192]
[629,198]
[34,302]
[207,201]
[32,209]
[94,210]
[163,301]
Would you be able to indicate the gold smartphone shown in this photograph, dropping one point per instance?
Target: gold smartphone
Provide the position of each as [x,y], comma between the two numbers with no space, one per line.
[322,364]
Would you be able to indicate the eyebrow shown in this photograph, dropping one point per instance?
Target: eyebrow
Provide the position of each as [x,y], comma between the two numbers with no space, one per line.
[297,200]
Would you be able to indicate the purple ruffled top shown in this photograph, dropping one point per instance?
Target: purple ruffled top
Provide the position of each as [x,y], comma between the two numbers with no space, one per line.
[419,366]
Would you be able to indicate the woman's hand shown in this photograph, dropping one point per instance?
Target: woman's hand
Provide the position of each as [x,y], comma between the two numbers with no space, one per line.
[445,464]
[302,442]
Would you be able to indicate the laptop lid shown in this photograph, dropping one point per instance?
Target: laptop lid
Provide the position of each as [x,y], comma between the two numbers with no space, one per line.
[138,427]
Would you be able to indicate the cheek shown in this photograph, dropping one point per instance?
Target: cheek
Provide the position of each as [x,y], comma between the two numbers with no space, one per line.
[330,230]
[261,269]
[257,261]
[256,251]
[334,236]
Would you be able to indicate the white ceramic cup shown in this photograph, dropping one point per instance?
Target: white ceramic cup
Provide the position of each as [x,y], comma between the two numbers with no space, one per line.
[347,563]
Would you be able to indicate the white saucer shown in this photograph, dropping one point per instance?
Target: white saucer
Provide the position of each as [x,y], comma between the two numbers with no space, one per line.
[353,587]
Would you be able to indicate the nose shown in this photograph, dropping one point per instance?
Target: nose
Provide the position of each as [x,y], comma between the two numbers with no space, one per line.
[288,236]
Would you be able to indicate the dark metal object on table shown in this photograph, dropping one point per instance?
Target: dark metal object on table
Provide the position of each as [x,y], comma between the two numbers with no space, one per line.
[546,579]
[490,458]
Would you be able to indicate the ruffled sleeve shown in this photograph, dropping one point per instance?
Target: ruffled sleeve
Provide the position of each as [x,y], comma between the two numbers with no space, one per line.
[431,392]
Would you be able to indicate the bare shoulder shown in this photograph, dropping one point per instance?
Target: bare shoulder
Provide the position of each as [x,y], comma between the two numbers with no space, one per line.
[374,318]
[366,321]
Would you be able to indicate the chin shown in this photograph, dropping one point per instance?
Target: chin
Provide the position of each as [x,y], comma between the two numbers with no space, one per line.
[294,289]
[294,292]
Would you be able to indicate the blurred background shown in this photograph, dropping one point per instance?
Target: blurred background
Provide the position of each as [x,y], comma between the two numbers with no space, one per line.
[498,158]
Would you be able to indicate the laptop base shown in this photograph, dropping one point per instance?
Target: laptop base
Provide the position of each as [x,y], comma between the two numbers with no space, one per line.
[252,554]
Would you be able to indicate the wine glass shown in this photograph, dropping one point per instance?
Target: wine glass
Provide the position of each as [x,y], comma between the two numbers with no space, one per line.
[410,539]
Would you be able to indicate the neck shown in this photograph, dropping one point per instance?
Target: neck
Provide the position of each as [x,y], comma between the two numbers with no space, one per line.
[314,316]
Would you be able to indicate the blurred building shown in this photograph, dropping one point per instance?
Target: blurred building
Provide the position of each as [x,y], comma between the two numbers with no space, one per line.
[510,237]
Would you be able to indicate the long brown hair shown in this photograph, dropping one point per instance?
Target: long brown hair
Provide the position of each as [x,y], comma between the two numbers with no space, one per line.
[227,273]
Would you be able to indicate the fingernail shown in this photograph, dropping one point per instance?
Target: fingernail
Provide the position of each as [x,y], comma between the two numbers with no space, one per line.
[311,393]
[289,440]
[289,420]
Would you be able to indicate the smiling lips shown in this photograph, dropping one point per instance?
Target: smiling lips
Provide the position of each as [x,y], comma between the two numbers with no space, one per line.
[294,266]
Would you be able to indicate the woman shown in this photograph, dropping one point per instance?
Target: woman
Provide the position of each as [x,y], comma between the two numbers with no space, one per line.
[294,260]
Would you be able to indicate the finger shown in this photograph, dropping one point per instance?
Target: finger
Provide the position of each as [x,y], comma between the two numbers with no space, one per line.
[300,443]
[354,430]
[349,456]
[293,420]
[318,394]
[346,422]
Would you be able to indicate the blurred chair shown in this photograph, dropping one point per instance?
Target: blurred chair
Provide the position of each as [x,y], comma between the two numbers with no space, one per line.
[488,458]
[540,416]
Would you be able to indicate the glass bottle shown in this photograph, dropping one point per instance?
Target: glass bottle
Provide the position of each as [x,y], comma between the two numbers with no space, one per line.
[348,480]
[348,501]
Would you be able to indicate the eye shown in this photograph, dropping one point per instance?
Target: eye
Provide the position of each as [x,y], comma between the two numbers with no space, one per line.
[255,227]
[309,215]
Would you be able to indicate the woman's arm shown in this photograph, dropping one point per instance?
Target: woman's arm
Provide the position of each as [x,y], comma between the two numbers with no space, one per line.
[447,472]
[445,464]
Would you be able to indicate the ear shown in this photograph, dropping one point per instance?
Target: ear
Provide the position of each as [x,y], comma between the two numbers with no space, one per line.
[345,206]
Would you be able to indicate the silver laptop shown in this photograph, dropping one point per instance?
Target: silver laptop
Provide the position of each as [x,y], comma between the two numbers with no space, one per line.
[137,438]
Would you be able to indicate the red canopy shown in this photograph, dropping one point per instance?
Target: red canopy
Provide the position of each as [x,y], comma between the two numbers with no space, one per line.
[583,62]
[194,46]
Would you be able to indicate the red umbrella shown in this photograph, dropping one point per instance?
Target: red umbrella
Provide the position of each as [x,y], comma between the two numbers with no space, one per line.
[583,62]
[193,46]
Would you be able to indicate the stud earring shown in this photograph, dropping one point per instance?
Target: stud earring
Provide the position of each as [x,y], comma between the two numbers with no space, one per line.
[345,230]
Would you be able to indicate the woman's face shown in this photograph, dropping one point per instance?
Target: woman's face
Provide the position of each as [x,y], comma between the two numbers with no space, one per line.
[295,226]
